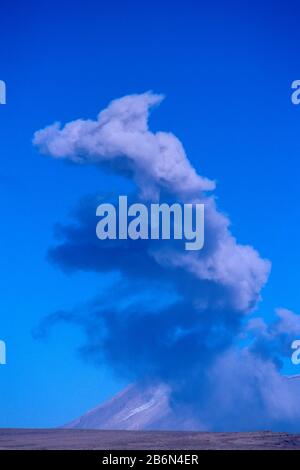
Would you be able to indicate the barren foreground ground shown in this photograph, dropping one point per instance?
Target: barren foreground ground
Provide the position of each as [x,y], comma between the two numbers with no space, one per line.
[110,440]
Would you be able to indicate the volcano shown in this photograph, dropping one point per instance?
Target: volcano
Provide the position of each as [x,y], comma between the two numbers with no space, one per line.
[148,408]
[135,408]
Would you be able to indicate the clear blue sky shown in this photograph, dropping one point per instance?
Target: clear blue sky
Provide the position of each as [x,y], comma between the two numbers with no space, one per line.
[226,69]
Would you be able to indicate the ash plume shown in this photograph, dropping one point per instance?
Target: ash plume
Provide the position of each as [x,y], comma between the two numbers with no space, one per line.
[176,318]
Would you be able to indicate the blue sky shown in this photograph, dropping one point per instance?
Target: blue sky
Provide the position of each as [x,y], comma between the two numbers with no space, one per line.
[226,70]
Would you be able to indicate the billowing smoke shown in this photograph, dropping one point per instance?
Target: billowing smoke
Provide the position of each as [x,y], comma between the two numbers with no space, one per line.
[177,317]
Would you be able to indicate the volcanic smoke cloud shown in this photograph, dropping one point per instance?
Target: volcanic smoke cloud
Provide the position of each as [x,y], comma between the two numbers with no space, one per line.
[176,317]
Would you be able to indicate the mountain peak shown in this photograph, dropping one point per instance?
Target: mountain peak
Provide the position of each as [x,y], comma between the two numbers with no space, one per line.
[134,408]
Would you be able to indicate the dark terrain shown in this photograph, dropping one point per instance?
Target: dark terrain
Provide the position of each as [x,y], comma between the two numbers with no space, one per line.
[109,440]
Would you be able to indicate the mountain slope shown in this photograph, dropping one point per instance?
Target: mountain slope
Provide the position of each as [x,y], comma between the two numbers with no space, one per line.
[134,408]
